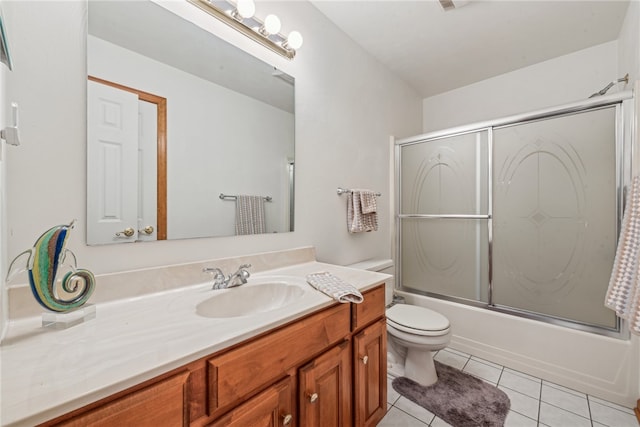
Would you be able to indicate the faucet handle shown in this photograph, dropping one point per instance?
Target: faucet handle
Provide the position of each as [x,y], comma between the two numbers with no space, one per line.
[218,276]
[243,266]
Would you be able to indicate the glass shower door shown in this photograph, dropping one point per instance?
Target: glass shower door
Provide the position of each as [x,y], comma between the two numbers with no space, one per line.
[555,216]
[444,216]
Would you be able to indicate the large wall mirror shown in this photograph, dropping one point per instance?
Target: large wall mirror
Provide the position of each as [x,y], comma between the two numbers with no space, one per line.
[188,136]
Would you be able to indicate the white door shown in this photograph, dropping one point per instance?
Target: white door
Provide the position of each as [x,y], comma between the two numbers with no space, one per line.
[147,171]
[112,161]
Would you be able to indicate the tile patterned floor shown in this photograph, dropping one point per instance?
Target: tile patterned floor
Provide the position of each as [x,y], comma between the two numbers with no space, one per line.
[534,402]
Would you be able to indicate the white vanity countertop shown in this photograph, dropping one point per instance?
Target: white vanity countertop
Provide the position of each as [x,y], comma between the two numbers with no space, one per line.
[46,373]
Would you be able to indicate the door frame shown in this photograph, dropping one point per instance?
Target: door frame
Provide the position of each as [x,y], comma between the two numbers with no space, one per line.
[161,225]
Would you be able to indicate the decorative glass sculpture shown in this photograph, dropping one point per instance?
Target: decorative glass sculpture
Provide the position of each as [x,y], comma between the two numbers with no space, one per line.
[45,258]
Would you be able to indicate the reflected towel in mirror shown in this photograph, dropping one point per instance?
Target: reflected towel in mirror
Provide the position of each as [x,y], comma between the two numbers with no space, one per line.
[250,218]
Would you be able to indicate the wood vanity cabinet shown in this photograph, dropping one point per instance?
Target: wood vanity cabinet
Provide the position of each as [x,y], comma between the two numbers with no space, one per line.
[271,408]
[159,404]
[326,369]
[370,374]
[325,389]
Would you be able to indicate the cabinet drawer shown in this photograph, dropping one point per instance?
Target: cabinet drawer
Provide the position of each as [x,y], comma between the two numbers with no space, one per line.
[372,308]
[240,372]
[273,407]
[160,404]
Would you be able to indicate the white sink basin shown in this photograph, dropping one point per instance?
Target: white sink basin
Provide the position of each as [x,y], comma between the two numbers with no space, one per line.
[250,299]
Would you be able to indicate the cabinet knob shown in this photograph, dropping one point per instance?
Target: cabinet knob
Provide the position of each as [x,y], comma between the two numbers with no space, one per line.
[286,419]
[128,232]
[147,230]
[312,397]
[365,359]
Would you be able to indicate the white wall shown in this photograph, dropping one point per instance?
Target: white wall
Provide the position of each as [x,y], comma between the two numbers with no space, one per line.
[557,81]
[4,303]
[347,105]
[629,44]
[210,148]
[605,367]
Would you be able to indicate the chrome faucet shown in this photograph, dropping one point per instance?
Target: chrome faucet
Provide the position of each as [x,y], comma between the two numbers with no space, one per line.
[236,279]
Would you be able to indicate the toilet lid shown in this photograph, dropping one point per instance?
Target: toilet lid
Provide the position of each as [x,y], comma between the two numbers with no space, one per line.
[411,318]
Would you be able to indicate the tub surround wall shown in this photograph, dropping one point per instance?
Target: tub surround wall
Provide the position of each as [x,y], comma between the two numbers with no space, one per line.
[347,105]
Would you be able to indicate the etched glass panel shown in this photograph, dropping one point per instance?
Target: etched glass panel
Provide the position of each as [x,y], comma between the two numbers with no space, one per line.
[445,256]
[555,216]
[445,176]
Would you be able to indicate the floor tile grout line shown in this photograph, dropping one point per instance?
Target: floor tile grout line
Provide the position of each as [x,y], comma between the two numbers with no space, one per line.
[521,414]
[568,410]
[540,403]
[627,411]
[589,409]
[412,416]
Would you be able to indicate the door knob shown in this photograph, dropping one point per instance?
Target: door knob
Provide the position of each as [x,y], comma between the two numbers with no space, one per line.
[128,232]
[312,397]
[147,230]
[365,359]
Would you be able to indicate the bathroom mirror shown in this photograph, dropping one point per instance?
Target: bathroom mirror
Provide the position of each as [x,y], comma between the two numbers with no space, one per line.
[180,123]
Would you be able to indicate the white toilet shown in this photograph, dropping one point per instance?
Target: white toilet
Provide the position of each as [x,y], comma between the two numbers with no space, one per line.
[413,332]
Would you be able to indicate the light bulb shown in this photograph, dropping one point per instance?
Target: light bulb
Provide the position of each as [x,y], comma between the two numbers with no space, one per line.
[294,41]
[271,24]
[246,8]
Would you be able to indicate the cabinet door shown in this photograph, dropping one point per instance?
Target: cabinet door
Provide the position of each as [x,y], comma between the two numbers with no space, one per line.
[160,404]
[370,374]
[272,408]
[325,389]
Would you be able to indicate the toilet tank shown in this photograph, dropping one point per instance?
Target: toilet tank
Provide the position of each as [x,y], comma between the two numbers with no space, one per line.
[380,265]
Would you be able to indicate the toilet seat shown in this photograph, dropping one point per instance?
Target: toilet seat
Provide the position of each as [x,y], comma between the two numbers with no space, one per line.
[417,320]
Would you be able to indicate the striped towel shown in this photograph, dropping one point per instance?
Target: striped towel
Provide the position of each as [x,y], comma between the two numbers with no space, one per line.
[250,215]
[623,294]
[362,212]
[335,287]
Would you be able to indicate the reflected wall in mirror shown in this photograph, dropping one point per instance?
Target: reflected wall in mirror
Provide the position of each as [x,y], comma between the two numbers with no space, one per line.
[177,117]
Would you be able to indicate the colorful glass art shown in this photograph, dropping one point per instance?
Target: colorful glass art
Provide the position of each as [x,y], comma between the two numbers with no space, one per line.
[45,258]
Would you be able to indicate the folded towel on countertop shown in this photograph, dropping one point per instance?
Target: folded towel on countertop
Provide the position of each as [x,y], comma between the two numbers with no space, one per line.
[362,211]
[335,287]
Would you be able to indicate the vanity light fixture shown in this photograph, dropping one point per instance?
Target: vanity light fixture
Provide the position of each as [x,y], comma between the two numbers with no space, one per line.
[240,15]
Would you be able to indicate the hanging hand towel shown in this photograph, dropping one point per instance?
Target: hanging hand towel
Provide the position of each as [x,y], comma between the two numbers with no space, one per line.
[362,216]
[623,294]
[250,217]
[335,287]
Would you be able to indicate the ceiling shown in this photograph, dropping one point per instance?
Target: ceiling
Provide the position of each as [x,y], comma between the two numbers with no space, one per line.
[435,51]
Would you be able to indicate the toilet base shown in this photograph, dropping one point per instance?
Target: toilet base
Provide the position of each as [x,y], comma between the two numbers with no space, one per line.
[419,367]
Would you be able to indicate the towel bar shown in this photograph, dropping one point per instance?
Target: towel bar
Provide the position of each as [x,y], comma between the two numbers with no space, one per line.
[347,190]
[229,197]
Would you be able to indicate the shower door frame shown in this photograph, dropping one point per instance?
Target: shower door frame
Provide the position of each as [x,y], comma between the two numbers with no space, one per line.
[624,153]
